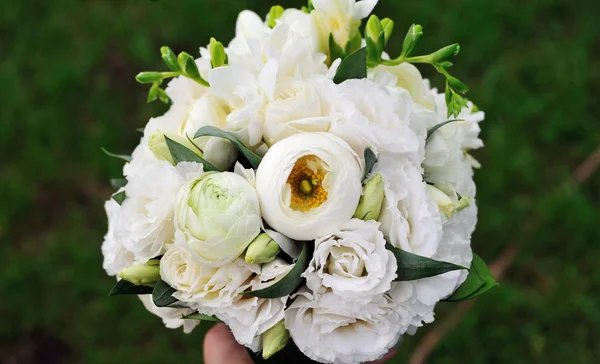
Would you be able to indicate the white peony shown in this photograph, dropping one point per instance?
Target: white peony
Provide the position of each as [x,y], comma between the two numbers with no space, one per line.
[249,317]
[309,184]
[116,257]
[352,262]
[148,208]
[330,330]
[409,217]
[171,317]
[217,216]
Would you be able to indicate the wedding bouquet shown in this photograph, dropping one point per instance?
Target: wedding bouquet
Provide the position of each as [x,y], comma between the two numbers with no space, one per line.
[303,184]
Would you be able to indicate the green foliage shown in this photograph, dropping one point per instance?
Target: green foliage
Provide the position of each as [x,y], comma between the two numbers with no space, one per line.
[412,266]
[181,153]
[128,288]
[354,66]
[67,70]
[252,157]
[479,281]
[162,294]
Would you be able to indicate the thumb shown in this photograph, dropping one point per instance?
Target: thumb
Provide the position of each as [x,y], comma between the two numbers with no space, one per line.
[220,347]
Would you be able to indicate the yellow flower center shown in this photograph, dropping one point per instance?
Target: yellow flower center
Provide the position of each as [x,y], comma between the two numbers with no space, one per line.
[306,183]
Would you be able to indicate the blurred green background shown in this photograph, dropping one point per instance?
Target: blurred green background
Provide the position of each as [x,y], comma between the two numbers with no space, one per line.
[67,73]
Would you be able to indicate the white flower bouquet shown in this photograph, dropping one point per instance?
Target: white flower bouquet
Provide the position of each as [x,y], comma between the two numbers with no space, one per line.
[303,185]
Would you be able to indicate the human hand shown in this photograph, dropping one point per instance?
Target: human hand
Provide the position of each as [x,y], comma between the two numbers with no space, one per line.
[220,347]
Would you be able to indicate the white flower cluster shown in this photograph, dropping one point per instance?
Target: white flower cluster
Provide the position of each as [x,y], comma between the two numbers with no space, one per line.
[277,96]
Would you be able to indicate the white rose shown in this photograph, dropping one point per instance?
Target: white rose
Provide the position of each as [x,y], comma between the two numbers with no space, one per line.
[410,219]
[330,330]
[338,17]
[309,184]
[405,76]
[148,208]
[298,106]
[218,216]
[116,257]
[249,317]
[171,317]
[353,262]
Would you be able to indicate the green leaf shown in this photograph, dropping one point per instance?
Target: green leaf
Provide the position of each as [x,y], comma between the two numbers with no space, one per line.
[479,281]
[412,266]
[117,183]
[119,197]
[437,126]
[354,43]
[201,317]
[353,67]
[291,281]
[335,50]
[125,287]
[180,153]
[370,160]
[124,157]
[208,130]
[162,294]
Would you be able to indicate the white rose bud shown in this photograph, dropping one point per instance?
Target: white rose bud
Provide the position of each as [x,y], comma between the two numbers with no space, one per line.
[309,184]
[218,216]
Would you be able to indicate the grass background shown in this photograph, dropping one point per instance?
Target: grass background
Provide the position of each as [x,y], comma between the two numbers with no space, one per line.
[67,88]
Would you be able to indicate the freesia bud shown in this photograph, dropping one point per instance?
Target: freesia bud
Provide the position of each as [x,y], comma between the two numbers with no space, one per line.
[388,26]
[159,147]
[142,274]
[218,57]
[149,77]
[188,66]
[274,14]
[262,250]
[375,39]
[445,53]
[444,202]
[275,339]
[410,41]
[170,59]
[369,206]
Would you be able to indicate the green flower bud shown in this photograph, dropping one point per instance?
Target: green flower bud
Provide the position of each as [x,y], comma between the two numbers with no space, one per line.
[170,59]
[218,57]
[188,66]
[410,41]
[159,147]
[375,38]
[445,53]
[275,339]
[369,205]
[142,274]
[274,14]
[262,250]
[463,203]
[444,202]
[388,27]
[149,77]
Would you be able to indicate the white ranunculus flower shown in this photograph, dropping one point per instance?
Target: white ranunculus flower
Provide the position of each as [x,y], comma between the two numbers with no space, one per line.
[409,217]
[338,17]
[309,184]
[217,216]
[148,208]
[330,330]
[171,317]
[352,262]
[116,257]
[298,106]
[202,287]
[249,317]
